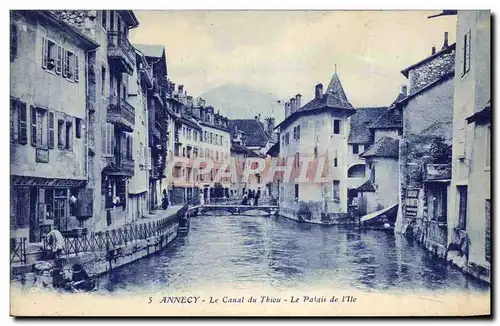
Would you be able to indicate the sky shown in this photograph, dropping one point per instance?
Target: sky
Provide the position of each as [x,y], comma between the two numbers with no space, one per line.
[289,52]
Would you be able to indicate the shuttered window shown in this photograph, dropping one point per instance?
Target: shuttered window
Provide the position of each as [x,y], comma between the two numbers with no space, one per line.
[13,42]
[59,61]
[462,214]
[77,69]
[33,125]
[50,128]
[22,121]
[78,128]
[336,189]
[60,134]
[466,54]
[107,139]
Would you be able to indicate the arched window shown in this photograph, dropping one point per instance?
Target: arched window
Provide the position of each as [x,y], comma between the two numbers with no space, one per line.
[356,171]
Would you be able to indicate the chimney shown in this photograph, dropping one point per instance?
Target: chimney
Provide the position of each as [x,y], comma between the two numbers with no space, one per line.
[297,101]
[404,90]
[270,125]
[445,44]
[180,89]
[319,91]
[287,109]
[292,105]
[433,50]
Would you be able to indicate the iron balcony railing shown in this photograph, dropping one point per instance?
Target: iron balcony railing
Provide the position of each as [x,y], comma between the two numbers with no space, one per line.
[121,112]
[120,50]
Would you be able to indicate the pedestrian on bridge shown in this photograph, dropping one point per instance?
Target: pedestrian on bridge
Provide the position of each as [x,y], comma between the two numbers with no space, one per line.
[202,199]
[245,199]
[257,196]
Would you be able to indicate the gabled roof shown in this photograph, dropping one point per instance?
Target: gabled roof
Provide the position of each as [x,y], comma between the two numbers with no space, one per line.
[390,119]
[441,79]
[151,50]
[255,135]
[368,186]
[384,147]
[333,99]
[359,133]
[429,58]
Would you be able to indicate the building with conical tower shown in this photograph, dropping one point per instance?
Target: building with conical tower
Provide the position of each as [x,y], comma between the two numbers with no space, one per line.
[313,144]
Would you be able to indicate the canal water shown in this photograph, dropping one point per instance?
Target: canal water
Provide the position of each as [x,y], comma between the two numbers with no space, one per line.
[244,252]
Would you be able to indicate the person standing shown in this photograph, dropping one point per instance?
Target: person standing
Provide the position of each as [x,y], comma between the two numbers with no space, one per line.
[202,199]
[257,196]
[164,200]
[250,197]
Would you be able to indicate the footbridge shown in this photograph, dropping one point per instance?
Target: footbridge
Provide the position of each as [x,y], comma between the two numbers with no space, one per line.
[231,209]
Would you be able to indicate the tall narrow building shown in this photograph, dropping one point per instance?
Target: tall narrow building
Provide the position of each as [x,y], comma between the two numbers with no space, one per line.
[316,131]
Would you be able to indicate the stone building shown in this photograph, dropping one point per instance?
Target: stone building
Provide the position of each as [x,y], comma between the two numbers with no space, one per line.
[159,121]
[469,212]
[360,138]
[425,149]
[380,191]
[139,82]
[48,123]
[111,117]
[316,133]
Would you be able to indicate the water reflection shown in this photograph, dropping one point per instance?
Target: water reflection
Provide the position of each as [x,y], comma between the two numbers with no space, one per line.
[246,251]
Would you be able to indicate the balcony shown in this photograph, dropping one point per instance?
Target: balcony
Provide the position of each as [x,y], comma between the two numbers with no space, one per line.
[121,166]
[437,172]
[121,53]
[121,113]
[146,76]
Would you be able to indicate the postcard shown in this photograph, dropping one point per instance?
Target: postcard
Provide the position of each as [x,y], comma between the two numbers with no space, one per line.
[250,163]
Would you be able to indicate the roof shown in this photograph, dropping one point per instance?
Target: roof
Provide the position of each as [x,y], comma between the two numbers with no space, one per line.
[255,135]
[236,148]
[388,120]
[151,50]
[56,18]
[368,186]
[441,79]
[384,147]
[359,133]
[333,99]
[481,116]
[189,122]
[274,150]
[429,58]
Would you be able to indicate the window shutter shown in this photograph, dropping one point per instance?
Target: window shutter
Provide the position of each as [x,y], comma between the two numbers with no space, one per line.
[22,118]
[467,54]
[51,129]
[45,51]
[59,61]
[77,69]
[13,42]
[103,138]
[33,125]
[65,63]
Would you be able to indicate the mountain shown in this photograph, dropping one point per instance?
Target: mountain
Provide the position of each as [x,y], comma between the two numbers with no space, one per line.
[243,102]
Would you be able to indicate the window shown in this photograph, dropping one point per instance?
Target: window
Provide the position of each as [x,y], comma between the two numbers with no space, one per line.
[296,192]
[336,190]
[335,159]
[103,81]
[69,135]
[487,212]
[51,129]
[217,155]
[466,54]
[52,56]
[69,65]
[22,131]
[298,132]
[129,148]
[355,149]
[13,42]
[297,161]
[78,128]
[184,151]
[462,210]
[287,138]
[60,134]
[60,200]
[104,19]
[38,123]
[107,139]
[437,205]
[336,127]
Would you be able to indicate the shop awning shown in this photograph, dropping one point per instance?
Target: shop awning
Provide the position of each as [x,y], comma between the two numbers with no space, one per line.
[370,216]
